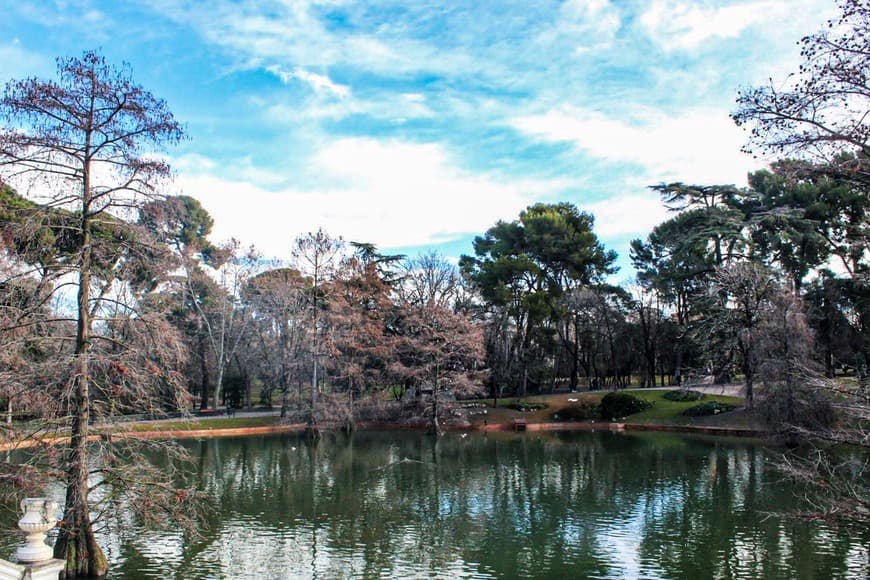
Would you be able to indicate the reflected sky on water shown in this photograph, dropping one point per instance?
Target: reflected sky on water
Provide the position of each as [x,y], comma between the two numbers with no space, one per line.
[552,505]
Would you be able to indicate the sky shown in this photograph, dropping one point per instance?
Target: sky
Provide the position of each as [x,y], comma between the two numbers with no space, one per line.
[416,125]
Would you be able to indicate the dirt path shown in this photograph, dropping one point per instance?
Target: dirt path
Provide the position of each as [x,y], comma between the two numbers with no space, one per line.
[730,390]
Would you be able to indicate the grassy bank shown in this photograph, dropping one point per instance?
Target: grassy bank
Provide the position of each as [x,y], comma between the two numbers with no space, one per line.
[663,411]
[543,409]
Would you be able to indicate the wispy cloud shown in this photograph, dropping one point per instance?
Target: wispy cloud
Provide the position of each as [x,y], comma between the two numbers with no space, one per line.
[684,25]
[699,145]
[626,215]
[321,84]
[587,25]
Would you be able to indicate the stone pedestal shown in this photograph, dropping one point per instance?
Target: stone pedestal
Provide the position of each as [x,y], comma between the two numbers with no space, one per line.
[35,556]
[39,517]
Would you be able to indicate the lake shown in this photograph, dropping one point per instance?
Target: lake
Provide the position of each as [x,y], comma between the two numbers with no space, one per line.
[501,505]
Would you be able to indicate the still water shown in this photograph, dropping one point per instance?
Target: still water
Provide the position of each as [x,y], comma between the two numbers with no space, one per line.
[569,505]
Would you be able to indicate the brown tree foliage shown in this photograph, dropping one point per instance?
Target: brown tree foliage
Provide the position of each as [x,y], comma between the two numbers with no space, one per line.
[82,147]
[439,351]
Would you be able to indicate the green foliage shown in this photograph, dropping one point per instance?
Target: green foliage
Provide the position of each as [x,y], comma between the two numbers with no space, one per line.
[708,408]
[524,268]
[682,396]
[182,223]
[526,407]
[580,411]
[617,404]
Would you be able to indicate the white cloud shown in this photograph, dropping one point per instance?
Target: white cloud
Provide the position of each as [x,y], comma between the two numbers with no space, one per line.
[627,215]
[389,193]
[589,24]
[292,32]
[701,146]
[392,107]
[320,83]
[684,25]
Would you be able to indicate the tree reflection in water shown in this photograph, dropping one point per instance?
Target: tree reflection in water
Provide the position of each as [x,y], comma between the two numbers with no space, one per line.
[399,504]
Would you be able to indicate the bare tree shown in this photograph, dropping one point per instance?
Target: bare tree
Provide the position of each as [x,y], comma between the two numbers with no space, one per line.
[821,116]
[788,369]
[224,318]
[741,299]
[278,300]
[358,310]
[430,279]
[802,405]
[84,144]
[650,319]
[822,110]
[317,255]
[442,350]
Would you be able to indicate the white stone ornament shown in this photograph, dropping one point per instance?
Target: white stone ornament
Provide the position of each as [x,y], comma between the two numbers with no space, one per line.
[39,517]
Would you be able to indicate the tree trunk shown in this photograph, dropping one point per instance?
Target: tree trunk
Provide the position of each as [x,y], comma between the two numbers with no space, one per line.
[349,422]
[312,431]
[249,403]
[205,386]
[436,427]
[219,382]
[76,543]
[746,350]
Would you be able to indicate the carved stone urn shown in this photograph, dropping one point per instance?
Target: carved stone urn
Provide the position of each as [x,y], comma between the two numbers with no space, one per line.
[39,517]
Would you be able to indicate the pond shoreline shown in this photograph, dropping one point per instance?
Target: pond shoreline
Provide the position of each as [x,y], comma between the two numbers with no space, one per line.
[393,426]
[496,427]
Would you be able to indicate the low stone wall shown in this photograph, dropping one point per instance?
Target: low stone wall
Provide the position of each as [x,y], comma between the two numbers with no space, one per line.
[200,433]
[383,426]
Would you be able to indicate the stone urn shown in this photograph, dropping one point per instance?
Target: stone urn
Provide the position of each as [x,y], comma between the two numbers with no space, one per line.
[39,517]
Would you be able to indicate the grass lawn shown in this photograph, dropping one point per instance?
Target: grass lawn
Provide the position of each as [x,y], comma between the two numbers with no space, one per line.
[663,411]
[554,403]
[671,412]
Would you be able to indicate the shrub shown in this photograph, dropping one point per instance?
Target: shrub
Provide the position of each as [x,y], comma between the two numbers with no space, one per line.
[518,406]
[582,411]
[803,406]
[708,408]
[681,395]
[615,405]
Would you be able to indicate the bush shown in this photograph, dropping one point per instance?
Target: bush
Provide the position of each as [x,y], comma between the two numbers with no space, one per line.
[681,395]
[615,405]
[527,406]
[784,407]
[708,408]
[582,411]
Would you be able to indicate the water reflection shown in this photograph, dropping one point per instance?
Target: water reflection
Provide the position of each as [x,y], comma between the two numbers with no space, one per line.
[573,505]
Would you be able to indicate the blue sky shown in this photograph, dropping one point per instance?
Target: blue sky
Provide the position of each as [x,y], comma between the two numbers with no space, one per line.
[417,124]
